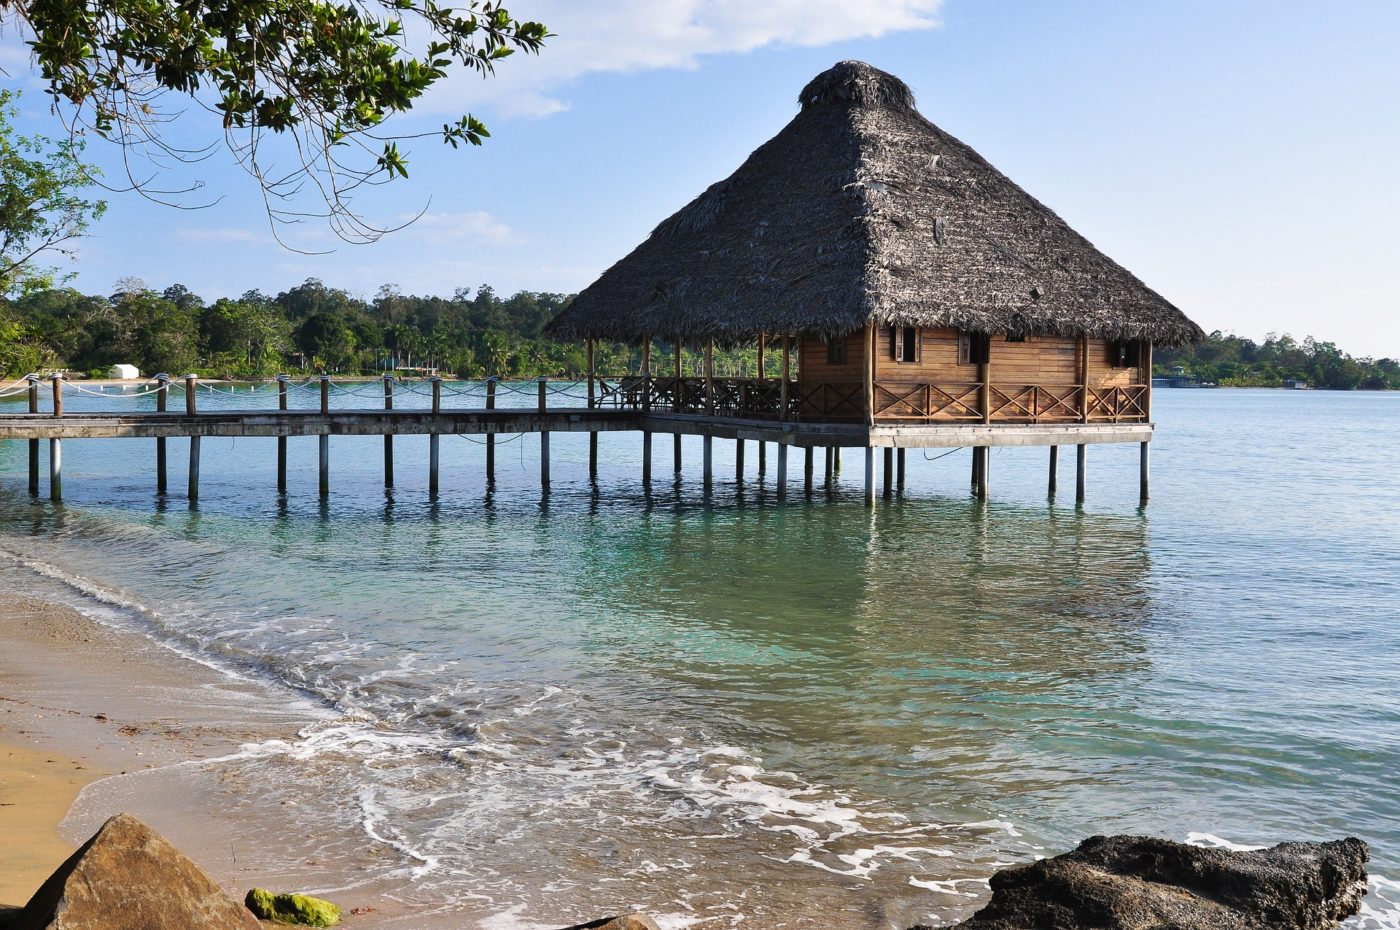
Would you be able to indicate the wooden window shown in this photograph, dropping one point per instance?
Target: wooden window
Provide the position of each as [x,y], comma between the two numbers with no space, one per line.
[974,348]
[1125,353]
[905,343]
[836,350]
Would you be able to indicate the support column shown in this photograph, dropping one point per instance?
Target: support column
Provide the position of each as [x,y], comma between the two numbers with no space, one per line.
[282,440]
[677,400]
[1144,469]
[191,393]
[899,464]
[984,473]
[782,470]
[323,442]
[888,489]
[1054,470]
[709,462]
[738,461]
[646,457]
[33,443]
[491,436]
[836,459]
[808,454]
[389,436]
[787,374]
[976,466]
[544,436]
[55,469]
[830,466]
[676,453]
[1079,474]
[592,404]
[762,458]
[869,476]
[434,440]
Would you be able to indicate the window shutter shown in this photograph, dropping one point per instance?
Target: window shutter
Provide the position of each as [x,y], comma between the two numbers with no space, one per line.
[918,343]
[897,343]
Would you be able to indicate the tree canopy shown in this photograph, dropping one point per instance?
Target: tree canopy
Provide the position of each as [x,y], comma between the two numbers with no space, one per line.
[323,76]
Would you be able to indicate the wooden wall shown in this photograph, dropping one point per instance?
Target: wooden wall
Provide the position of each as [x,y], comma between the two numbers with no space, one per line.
[813,367]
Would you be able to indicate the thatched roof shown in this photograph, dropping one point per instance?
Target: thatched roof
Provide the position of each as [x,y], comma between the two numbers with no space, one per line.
[862,210]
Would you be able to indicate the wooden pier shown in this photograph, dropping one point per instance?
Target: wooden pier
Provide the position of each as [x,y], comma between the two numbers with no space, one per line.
[490,421]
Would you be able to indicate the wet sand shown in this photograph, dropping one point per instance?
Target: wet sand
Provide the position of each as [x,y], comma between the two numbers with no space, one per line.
[100,716]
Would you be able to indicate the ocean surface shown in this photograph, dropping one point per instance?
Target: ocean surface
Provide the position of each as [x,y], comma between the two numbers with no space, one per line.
[731,712]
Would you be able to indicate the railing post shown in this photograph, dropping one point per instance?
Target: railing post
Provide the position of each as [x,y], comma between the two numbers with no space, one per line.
[544,436]
[1083,346]
[984,375]
[646,372]
[191,389]
[762,368]
[162,397]
[592,404]
[491,436]
[388,431]
[434,440]
[710,377]
[282,440]
[33,443]
[191,409]
[787,369]
[869,386]
[56,380]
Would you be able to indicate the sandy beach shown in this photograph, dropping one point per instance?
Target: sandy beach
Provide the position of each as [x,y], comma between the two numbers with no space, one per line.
[84,706]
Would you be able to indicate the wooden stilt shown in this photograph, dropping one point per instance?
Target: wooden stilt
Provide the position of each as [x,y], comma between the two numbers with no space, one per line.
[491,437]
[676,453]
[869,476]
[1079,473]
[33,443]
[787,374]
[162,394]
[434,440]
[899,467]
[388,437]
[543,402]
[281,440]
[976,466]
[738,461]
[808,455]
[836,459]
[57,382]
[323,470]
[193,486]
[830,465]
[55,469]
[646,456]
[782,470]
[888,489]
[762,458]
[1144,469]
[709,462]
[1054,470]
[592,403]
[984,473]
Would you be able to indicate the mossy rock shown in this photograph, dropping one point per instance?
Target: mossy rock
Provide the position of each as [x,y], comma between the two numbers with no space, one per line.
[292,908]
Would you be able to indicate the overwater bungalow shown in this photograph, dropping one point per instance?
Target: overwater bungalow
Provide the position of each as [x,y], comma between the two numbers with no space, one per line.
[917,296]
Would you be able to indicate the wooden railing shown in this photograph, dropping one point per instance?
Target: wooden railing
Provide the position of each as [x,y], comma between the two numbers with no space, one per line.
[924,402]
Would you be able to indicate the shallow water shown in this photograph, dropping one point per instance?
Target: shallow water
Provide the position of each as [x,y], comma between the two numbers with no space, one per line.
[544,708]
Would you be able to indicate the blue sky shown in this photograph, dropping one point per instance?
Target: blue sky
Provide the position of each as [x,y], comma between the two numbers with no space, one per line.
[1239,157]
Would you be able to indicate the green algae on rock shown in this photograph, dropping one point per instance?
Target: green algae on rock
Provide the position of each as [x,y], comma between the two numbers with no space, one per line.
[292,908]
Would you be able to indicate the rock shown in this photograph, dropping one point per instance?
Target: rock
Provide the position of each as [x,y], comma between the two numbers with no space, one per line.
[128,878]
[1143,883]
[623,922]
[292,908]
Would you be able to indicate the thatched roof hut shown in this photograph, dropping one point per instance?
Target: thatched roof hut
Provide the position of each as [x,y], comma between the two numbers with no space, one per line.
[861,211]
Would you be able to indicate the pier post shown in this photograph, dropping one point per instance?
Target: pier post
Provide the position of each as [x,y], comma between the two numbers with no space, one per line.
[57,382]
[1054,471]
[830,465]
[808,454]
[836,459]
[678,397]
[592,404]
[1144,469]
[888,490]
[646,456]
[676,452]
[738,461]
[324,440]
[33,443]
[762,458]
[787,369]
[782,470]
[434,440]
[976,466]
[544,435]
[55,469]
[282,440]
[984,472]
[709,462]
[646,407]
[869,476]
[162,397]
[899,468]
[1079,474]
[388,436]
[191,393]
[491,436]
[191,405]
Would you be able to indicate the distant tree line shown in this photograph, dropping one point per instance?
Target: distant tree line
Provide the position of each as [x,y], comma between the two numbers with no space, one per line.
[1239,362]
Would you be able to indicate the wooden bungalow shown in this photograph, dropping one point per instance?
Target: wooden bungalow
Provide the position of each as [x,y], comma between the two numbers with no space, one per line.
[922,298]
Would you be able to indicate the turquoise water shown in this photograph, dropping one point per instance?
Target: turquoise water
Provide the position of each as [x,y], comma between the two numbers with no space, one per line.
[539,707]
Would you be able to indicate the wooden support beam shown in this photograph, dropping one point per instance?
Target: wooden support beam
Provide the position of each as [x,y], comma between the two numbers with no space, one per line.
[57,382]
[323,444]
[1082,351]
[782,470]
[984,393]
[542,403]
[709,443]
[56,469]
[281,440]
[676,405]
[787,376]
[1079,473]
[1054,470]
[899,465]
[162,395]
[762,458]
[1146,375]
[984,473]
[490,437]
[646,372]
[1144,469]
[193,485]
[976,466]
[676,453]
[836,459]
[888,476]
[592,403]
[869,379]
[808,455]
[869,476]
[325,394]
[762,368]
[33,443]
[830,465]
[710,376]
[388,437]
[434,440]
[738,461]
[646,456]
[191,392]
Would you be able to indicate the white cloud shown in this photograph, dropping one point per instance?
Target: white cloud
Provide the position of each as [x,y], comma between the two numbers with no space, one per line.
[473,225]
[640,35]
